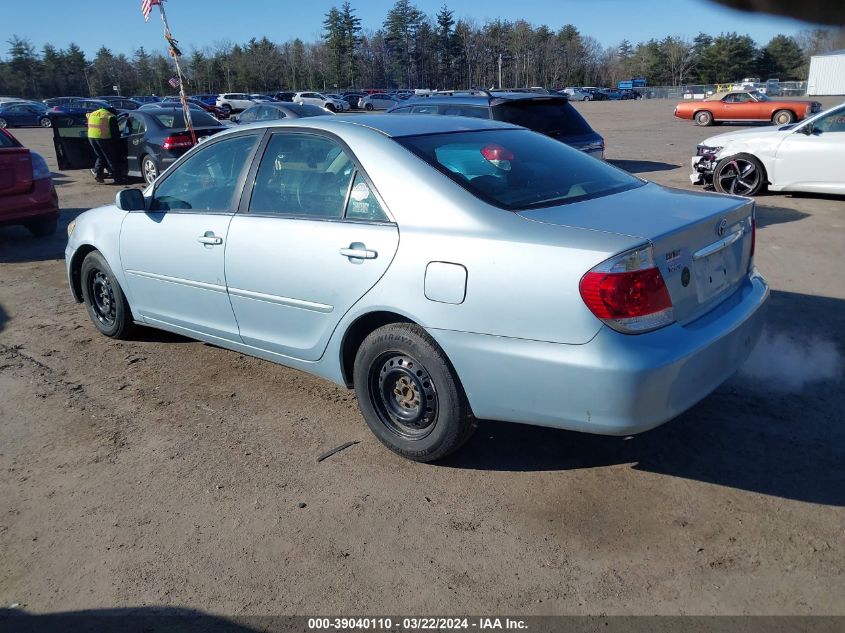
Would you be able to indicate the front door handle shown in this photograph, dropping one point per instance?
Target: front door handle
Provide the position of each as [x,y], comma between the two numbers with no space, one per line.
[210,239]
[357,250]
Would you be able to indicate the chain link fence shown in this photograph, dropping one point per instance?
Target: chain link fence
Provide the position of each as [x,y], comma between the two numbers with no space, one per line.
[699,91]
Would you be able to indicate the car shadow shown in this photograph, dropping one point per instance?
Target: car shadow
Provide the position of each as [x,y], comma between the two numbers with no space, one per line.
[18,245]
[4,318]
[137,620]
[641,166]
[767,215]
[774,431]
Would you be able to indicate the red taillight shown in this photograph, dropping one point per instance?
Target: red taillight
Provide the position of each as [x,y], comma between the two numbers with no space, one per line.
[628,293]
[177,141]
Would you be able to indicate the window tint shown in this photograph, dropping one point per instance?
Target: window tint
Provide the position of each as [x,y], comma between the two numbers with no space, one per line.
[207,180]
[833,122]
[6,141]
[136,125]
[249,115]
[176,119]
[306,110]
[518,169]
[424,109]
[363,205]
[464,110]
[555,117]
[302,175]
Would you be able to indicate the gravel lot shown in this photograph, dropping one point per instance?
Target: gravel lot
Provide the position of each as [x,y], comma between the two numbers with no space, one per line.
[169,472]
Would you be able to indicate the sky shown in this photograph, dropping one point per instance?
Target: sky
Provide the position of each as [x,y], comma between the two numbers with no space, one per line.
[200,23]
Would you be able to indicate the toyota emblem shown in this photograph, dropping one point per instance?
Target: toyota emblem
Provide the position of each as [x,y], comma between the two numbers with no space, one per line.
[721,227]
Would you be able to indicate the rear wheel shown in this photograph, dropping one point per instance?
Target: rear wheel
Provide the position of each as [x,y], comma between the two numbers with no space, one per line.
[45,122]
[703,118]
[226,108]
[741,175]
[369,107]
[149,169]
[410,395]
[783,117]
[43,228]
[104,299]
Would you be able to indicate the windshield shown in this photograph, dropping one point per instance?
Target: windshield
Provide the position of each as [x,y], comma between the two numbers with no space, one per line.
[759,96]
[518,169]
[177,119]
[555,117]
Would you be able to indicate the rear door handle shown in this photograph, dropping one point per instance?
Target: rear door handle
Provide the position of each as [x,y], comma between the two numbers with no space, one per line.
[210,239]
[357,250]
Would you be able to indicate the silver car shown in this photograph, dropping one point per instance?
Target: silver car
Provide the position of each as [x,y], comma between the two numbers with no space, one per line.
[447,269]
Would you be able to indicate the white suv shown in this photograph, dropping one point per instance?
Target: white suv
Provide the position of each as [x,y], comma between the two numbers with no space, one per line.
[317,99]
[234,101]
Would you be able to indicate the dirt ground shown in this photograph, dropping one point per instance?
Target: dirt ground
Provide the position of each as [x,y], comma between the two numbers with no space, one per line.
[166,472]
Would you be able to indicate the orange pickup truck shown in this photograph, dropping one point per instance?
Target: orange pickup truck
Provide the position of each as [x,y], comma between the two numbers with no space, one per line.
[745,105]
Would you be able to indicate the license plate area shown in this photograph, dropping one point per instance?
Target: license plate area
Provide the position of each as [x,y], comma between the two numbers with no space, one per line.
[713,275]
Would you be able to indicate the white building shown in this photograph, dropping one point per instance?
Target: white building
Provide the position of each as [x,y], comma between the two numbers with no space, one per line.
[827,74]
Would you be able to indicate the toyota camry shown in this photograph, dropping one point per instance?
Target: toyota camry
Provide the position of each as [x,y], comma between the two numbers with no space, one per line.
[447,269]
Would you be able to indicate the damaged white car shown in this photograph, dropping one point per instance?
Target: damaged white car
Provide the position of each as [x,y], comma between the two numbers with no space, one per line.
[807,156]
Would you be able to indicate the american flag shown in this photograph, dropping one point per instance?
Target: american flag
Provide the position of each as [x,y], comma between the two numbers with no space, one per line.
[174,81]
[147,6]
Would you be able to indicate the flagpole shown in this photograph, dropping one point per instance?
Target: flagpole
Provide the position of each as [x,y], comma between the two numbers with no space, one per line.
[173,52]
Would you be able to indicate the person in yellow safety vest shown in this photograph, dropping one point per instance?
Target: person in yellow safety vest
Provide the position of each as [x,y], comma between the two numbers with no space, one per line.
[104,136]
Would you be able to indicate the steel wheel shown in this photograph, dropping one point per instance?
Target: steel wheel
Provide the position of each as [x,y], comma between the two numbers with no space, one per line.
[739,176]
[149,169]
[45,122]
[404,396]
[102,296]
[783,117]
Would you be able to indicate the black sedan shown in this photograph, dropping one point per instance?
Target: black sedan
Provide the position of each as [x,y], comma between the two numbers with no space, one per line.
[155,138]
[279,110]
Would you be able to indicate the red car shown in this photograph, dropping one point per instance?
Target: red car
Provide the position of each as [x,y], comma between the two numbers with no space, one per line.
[27,194]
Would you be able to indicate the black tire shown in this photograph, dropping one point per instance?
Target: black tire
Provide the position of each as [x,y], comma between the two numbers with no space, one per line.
[104,299]
[703,118]
[3,123]
[226,108]
[149,169]
[409,393]
[741,175]
[45,122]
[783,117]
[43,228]
[330,107]
[368,107]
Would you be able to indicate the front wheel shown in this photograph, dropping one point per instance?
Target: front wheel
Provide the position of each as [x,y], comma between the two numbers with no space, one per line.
[783,117]
[703,118]
[226,108]
[149,169]
[410,395]
[369,107]
[741,175]
[45,122]
[104,299]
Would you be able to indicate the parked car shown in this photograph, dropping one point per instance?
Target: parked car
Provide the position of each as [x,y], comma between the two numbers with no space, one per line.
[745,105]
[612,94]
[551,115]
[353,99]
[78,106]
[276,110]
[258,98]
[58,101]
[596,93]
[378,101]
[234,102]
[167,104]
[320,100]
[121,103]
[156,137]
[27,194]
[213,110]
[344,104]
[206,98]
[142,99]
[631,95]
[576,94]
[615,319]
[285,96]
[806,156]
[22,114]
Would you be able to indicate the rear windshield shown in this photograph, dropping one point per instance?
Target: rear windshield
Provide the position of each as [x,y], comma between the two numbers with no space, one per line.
[7,141]
[555,117]
[177,119]
[305,109]
[518,169]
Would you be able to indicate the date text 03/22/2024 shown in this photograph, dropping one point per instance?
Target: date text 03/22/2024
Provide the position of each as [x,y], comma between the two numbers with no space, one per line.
[416,624]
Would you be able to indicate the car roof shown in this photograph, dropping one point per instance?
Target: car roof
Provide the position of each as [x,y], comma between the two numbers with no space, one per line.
[480,99]
[391,125]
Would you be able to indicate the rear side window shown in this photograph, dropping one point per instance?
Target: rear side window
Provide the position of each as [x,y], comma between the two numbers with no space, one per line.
[177,119]
[555,117]
[464,110]
[518,169]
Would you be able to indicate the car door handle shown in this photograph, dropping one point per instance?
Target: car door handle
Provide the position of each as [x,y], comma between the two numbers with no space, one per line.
[357,250]
[210,239]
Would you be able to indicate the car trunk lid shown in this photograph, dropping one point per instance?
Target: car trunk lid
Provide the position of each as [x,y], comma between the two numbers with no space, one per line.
[15,171]
[702,242]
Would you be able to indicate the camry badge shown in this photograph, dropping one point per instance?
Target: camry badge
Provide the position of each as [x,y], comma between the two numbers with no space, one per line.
[721,227]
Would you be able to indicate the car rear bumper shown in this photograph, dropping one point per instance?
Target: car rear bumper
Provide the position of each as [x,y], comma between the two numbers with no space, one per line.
[41,203]
[616,384]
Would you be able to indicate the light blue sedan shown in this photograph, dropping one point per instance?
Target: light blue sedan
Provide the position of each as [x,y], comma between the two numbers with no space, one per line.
[447,269]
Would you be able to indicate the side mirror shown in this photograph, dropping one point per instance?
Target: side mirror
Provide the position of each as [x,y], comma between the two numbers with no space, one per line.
[130,200]
[807,129]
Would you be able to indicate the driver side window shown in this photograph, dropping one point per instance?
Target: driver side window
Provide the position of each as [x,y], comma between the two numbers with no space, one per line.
[833,122]
[208,179]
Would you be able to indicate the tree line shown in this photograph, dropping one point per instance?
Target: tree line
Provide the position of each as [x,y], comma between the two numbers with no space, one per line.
[413,50]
